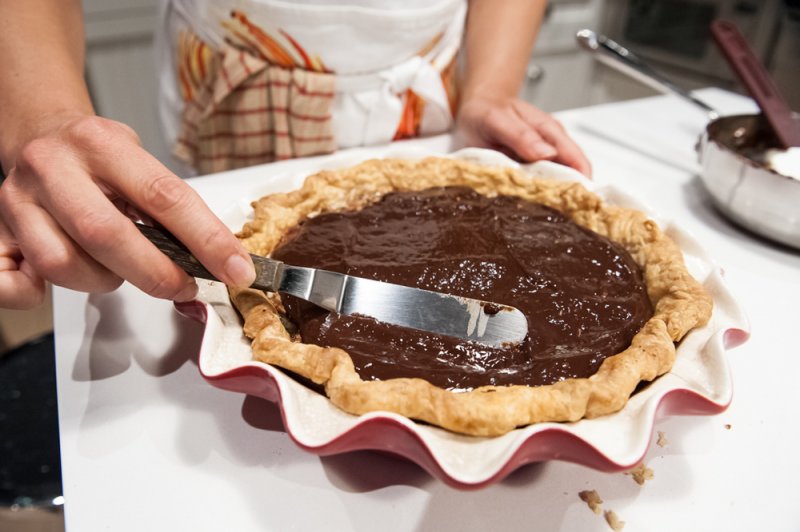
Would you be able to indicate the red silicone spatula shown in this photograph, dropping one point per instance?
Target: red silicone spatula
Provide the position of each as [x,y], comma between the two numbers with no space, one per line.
[757,81]
[762,88]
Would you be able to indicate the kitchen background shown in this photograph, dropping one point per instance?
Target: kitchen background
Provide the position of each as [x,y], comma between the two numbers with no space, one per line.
[671,35]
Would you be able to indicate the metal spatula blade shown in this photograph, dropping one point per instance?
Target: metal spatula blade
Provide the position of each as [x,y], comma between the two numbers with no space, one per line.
[484,322]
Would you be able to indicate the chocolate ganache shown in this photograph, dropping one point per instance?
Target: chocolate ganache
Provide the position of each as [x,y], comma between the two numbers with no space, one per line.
[583,295]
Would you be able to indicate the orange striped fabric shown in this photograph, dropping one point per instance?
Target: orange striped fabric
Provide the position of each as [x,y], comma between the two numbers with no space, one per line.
[249,111]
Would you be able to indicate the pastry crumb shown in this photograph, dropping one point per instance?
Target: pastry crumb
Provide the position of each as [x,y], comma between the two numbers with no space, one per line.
[613,521]
[592,500]
[662,439]
[641,473]
[728,426]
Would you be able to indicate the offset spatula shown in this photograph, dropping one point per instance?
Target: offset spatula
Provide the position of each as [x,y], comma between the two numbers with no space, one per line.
[479,321]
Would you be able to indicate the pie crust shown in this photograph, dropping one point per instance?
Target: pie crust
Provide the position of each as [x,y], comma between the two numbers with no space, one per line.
[680,303]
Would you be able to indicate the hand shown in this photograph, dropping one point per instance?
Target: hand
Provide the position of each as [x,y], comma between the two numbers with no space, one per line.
[516,127]
[68,202]
[20,286]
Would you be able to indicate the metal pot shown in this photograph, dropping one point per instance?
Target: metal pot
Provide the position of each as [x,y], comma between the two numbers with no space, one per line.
[732,151]
[743,187]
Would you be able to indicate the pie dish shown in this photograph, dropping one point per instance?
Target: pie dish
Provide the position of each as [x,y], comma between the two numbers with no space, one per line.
[698,383]
[680,303]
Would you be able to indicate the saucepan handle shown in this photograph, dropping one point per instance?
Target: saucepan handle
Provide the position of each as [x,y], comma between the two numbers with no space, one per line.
[175,250]
[620,58]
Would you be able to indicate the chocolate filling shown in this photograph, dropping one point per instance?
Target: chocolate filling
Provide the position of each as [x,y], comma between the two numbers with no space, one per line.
[583,295]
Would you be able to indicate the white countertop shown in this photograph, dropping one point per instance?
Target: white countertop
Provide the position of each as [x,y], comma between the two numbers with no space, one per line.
[147,444]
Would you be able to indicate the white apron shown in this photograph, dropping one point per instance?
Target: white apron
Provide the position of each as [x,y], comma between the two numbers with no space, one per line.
[249,81]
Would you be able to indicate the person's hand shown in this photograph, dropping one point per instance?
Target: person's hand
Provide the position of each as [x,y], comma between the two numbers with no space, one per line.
[67,204]
[518,128]
[20,286]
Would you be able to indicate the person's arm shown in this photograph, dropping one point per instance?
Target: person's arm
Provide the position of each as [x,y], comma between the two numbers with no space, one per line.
[74,180]
[498,43]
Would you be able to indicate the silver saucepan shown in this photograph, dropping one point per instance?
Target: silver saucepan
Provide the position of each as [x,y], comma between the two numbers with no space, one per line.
[734,152]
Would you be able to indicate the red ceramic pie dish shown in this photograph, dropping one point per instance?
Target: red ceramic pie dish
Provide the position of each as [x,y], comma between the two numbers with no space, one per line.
[698,384]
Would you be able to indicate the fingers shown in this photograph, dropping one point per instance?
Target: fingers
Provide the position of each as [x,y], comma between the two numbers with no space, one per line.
[552,132]
[510,131]
[54,255]
[42,240]
[65,204]
[75,236]
[164,197]
[20,287]
[517,127]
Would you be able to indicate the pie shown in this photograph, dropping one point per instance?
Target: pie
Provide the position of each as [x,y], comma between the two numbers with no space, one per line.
[624,334]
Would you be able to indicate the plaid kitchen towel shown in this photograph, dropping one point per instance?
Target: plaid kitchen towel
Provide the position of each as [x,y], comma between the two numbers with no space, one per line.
[241,110]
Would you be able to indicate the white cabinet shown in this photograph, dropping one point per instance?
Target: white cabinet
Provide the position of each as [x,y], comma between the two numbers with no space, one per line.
[120,66]
[560,73]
